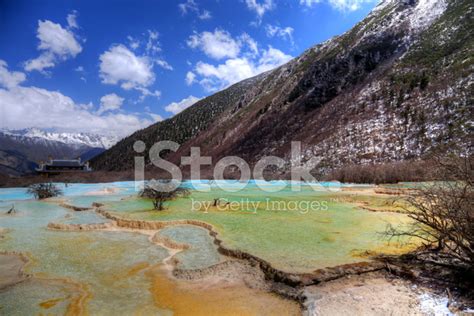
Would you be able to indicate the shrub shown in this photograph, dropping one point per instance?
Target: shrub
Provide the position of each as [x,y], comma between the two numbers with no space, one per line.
[162,192]
[407,171]
[443,213]
[44,190]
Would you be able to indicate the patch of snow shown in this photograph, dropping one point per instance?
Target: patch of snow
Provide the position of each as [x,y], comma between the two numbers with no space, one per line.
[78,139]
[425,12]
[434,305]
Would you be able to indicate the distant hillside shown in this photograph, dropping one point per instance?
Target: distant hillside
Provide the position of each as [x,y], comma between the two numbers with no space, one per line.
[395,87]
[73,139]
[22,150]
[13,163]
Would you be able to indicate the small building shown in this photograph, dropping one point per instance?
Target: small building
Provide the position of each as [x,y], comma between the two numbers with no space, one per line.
[57,166]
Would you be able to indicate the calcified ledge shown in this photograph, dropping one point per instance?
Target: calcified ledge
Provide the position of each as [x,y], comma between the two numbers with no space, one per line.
[286,284]
[168,242]
[75,208]
[79,227]
[13,272]
[271,273]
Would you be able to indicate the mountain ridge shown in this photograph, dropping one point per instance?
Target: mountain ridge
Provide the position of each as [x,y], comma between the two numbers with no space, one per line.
[394,87]
[32,145]
[79,139]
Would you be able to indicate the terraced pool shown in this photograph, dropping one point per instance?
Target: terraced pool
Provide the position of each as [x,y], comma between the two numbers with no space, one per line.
[120,271]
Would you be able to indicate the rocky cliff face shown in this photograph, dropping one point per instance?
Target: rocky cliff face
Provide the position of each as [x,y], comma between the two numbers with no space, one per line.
[395,87]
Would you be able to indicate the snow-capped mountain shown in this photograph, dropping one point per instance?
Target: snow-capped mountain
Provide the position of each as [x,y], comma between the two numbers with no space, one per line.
[75,139]
[397,86]
[22,150]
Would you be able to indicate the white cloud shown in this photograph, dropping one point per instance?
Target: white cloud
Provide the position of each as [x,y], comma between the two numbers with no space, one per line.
[205,15]
[10,79]
[218,44]
[233,70]
[23,107]
[134,69]
[341,5]
[133,42]
[56,44]
[192,6]
[147,93]
[260,8]
[251,44]
[176,107]
[110,102]
[285,33]
[188,6]
[155,117]
[153,45]
[348,5]
[309,3]
[272,58]
[121,66]
[72,20]
[190,78]
[163,64]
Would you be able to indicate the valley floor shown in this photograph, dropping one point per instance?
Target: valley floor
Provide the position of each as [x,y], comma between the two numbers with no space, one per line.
[68,255]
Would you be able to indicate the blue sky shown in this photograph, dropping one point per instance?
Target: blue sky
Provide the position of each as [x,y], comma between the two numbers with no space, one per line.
[111,67]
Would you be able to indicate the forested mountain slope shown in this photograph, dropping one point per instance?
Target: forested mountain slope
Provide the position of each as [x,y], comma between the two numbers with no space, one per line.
[395,87]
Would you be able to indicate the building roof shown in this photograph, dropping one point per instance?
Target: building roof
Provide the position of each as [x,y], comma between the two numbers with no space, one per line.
[65,163]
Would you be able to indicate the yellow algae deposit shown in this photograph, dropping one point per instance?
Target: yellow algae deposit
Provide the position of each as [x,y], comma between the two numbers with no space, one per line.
[234,298]
[114,269]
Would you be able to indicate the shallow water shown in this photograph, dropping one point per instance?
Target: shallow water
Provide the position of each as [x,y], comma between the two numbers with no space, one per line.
[202,252]
[98,262]
[109,272]
[268,225]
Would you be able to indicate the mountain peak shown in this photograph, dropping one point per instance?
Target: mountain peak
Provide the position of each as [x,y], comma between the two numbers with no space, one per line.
[77,139]
[394,87]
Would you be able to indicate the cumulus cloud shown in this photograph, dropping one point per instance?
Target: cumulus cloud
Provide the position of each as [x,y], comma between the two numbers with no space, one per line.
[10,79]
[153,45]
[23,107]
[272,58]
[218,44]
[244,59]
[190,78]
[147,93]
[72,20]
[155,117]
[309,3]
[132,67]
[260,7]
[251,44]
[110,102]
[176,107]
[191,6]
[205,15]
[121,66]
[341,5]
[285,33]
[163,64]
[56,44]
[216,77]
[188,6]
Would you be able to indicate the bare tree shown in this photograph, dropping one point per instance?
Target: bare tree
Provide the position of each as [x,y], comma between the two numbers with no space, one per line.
[443,212]
[159,196]
[12,210]
[44,190]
